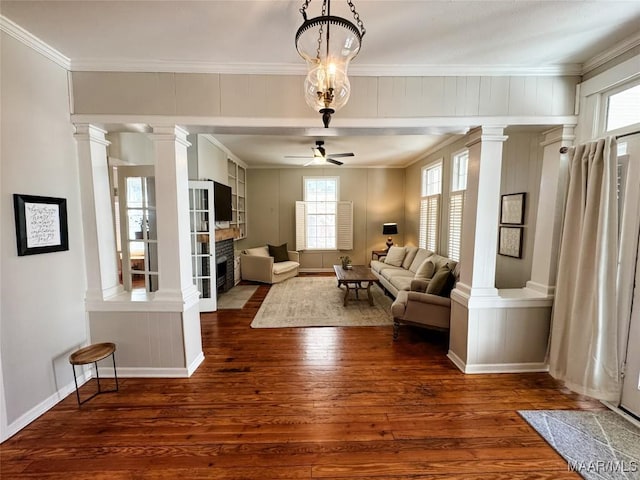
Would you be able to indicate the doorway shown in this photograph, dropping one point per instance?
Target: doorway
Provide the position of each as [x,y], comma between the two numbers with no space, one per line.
[629,191]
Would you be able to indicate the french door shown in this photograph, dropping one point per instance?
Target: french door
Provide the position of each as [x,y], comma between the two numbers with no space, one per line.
[202,228]
[630,168]
[138,228]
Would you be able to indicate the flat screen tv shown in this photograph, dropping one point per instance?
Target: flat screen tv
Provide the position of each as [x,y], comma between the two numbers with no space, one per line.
[222,202]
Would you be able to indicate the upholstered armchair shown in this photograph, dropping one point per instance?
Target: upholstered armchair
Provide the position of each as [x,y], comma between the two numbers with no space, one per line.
[419,308]
[258,266]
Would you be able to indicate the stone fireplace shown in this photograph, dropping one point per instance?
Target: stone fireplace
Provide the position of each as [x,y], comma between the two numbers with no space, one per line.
[225,258]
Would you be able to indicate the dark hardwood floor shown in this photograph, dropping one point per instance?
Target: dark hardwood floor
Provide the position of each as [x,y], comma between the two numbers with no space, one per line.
[332,403]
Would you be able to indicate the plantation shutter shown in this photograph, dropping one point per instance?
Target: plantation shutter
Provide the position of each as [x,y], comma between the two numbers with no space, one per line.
[301,237]
[344,225]
[429,220]
[456,205]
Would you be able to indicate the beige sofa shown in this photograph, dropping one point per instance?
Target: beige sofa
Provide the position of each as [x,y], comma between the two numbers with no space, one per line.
[421,282]
[256,265]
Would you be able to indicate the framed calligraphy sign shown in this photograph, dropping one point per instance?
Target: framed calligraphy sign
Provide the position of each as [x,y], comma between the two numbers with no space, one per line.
[41,224]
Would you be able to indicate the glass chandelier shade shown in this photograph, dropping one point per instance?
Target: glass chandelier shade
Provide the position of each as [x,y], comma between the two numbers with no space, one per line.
[328,44]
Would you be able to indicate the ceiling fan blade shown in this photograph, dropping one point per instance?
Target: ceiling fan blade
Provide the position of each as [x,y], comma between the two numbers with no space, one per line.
[342,155]
[297,156]
[312,162]
[335,162]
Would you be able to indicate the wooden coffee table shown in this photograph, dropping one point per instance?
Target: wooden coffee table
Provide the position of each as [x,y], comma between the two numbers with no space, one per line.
[357,278]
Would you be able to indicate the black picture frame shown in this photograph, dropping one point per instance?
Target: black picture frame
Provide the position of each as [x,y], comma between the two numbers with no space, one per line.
[512,207]
[510,241]
[41,224]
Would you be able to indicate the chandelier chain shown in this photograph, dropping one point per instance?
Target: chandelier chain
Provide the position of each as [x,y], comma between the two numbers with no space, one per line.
[356,16]
[352,7]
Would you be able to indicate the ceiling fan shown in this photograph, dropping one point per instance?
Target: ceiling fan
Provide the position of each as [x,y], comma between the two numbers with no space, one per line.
[320,155]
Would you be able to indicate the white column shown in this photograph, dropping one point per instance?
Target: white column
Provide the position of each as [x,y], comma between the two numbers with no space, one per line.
[481,211]
[172,204]
[553,186]
[97,215]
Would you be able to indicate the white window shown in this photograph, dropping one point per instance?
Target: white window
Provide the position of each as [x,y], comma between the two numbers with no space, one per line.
[623,107]
[456,203]
[430,206]
[322,221]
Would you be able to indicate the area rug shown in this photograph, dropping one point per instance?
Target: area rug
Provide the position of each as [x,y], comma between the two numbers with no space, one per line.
[236,297]
[597,445]
[318,302]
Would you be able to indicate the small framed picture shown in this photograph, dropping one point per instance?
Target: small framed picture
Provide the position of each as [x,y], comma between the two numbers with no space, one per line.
[510,241]
[512,208]
[41,224]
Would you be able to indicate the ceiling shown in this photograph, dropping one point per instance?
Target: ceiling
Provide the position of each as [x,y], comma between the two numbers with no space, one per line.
[420,37]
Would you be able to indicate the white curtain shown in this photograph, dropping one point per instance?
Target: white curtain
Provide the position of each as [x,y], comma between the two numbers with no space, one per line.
[584,335]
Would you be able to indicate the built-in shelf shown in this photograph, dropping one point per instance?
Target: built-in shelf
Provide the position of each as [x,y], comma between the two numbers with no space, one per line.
[236,179]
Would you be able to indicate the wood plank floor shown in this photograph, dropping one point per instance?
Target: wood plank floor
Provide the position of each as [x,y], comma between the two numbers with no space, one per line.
[328,403]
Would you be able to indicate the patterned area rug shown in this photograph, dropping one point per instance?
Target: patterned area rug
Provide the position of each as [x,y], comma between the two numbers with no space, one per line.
[597,445]
[236,297]
[318,302]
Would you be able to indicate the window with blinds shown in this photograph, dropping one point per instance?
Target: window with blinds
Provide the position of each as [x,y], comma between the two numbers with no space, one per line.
[429,221]
[430,206]
[460,161]
[323,222]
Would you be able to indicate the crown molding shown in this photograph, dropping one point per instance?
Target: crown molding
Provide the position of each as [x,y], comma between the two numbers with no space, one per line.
[30,40]
[142,65]
[611,53]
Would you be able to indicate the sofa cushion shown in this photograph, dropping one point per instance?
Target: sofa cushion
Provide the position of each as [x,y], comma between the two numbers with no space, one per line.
[283,267]
[390,272]
[409,256]
[426,270]
[442,282]
[395,256]
[421,256]
[259,251]
[279,253]
[401,282]
[377,265]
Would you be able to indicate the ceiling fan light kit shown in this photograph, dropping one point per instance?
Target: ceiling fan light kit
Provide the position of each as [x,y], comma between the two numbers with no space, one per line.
[328,43]
[320,156]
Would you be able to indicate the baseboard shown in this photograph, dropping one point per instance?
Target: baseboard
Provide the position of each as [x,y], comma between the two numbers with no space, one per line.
[193,366]
[48,403]
[497,367]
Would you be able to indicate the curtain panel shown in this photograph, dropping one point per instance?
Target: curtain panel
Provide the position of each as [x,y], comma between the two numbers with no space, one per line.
[584,335]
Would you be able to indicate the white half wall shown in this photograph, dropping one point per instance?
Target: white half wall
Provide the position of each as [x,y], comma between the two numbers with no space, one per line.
[42,317]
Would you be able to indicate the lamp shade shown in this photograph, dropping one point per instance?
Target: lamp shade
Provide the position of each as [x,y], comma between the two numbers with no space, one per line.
[390,229]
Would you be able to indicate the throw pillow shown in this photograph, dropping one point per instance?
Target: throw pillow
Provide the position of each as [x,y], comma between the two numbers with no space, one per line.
[395,255]
[279,253]
[258,251]
[409,256]
[426,270]
[439,281]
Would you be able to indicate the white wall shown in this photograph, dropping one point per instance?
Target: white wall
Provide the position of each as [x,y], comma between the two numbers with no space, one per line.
[42,301]
[207,160]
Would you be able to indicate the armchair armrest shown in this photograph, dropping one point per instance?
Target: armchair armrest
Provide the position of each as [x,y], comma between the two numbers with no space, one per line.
[429,299]
[294,256]
[256,268]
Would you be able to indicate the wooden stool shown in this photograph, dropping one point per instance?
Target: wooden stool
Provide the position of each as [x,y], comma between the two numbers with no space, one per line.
[93,354]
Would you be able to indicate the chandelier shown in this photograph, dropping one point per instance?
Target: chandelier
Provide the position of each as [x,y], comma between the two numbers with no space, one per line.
[328,43]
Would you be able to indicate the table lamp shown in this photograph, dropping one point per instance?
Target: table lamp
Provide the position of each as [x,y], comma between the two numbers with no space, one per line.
[389,229]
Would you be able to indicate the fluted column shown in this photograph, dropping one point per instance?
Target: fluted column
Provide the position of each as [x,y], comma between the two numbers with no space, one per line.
[172,204]
[553,189]
[97,215]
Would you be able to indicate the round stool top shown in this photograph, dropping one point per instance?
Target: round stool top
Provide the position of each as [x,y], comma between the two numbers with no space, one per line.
[92,353]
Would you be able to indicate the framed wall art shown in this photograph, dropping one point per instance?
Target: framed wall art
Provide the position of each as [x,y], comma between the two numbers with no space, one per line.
[41,224]
[512,208]
[510,242]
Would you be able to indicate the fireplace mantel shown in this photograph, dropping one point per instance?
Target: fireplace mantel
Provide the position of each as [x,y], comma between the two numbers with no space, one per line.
[227,233]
